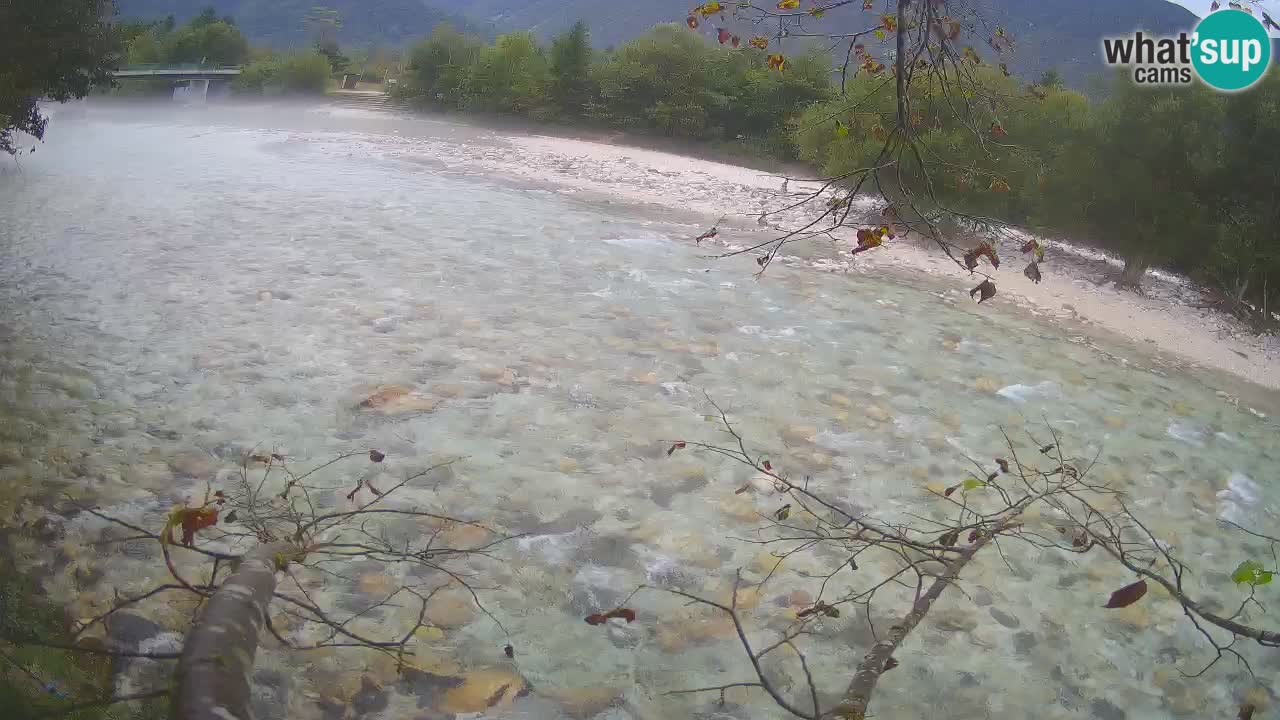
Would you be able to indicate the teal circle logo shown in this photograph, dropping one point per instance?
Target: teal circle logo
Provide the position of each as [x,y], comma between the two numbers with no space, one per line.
[1230,50]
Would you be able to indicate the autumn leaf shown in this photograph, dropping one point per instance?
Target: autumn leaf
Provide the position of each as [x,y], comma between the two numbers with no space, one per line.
[842,130]
[707,235]
[195,519]
[742,489]
[818,12]
[1127,595]
[974,535]
[1032,271]
[1246,709]
[735,41]
[709,8]
[984,249]
[953,28]
[788,4]
[879,34]
[768,466]
[997,130]
[231,517]
[877,132]
[868,4]
[509,651]
[948,491]
[972,484]
[999,185]
[620,613]
[1045,449]
[674,447]
[783,512]
[759,42]
[971,55]
[986,288]
[762,260]
[723,35]
[777,62]
[889,664]
[375,456]
[949,538]
[692,22]
[1004,464]
[889,22]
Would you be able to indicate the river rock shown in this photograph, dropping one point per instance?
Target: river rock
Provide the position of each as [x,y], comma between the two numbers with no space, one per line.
[693,628]
[1005,618]
[396,400]
[584,702]
[799,434]
[985,384]
[484,690]
[953,620]
[877,413]
[451,609]
[448,390]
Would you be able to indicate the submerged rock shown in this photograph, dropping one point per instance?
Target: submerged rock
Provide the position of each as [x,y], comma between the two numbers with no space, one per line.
[396,400]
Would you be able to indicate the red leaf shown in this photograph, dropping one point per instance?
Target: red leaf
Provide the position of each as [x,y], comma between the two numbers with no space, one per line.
[674,447]
[890,664]
[692,22]
[948,491]
[768,466]
[194,519]
[1004,464]
[1127,595]
[735,41]
[742,489]
[597,619]
[376,456]
[723,36]
[973,536]
[622,613]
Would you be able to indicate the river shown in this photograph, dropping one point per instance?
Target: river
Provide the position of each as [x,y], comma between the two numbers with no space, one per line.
[182,285]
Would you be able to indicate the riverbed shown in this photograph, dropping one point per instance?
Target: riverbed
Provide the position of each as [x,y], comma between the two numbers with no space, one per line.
[183,285]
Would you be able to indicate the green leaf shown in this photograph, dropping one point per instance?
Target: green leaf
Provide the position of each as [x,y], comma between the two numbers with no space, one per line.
[842,130]
[973,484]
[1251,572]
[879,33]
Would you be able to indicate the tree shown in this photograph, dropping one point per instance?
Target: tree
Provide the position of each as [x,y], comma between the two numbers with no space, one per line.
[1244,257]
[902,567]
[571,69]
[1136,174]
[439,67]
[509,76]
[213,42]
[246,555]
[58,49]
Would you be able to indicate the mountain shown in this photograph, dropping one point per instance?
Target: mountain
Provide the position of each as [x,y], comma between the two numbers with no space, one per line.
[279,23]
[1063,34]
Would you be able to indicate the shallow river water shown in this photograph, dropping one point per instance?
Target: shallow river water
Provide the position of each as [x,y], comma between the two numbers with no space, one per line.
[181,285]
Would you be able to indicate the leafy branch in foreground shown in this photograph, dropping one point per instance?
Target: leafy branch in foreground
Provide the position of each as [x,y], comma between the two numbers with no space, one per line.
[904,567]
[269,541]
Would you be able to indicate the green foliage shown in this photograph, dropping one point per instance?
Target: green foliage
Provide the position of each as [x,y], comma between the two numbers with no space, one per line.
[440,66]
[49,48]
[60,677]
[1135,176]
[302,72]
[213,42]
[1251,572]
[509,76]
[570,70]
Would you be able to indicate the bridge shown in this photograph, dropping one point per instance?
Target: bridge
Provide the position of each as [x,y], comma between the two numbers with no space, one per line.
[195,76]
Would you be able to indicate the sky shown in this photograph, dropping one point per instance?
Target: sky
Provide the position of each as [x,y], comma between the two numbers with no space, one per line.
[1201,8]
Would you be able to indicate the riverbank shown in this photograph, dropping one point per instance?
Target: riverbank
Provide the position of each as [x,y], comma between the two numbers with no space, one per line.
[1168,316]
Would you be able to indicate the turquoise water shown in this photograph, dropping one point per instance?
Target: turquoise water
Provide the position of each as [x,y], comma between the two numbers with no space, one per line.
[182,286]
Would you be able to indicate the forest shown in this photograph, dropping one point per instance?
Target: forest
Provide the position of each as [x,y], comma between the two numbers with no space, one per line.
[1164,177]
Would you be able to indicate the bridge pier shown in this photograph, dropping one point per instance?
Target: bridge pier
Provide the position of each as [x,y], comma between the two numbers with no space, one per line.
[195,91]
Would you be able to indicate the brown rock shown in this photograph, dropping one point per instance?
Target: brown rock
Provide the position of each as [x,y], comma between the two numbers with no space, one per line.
[198,465]
[466,537]
[683,630]
[482,690]
[396,400]
[799,598]
[649,378]
[451,609]
[449,390]
[585,702]
[877,413]
[799,434]
[375,583]
[985,384]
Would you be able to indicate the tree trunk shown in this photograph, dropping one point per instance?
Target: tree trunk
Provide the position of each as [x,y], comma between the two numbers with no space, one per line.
[1135,267]
[213,676]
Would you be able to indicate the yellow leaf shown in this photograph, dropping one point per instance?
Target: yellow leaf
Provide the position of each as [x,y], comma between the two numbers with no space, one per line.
[788,4]
[777,62]
[709,8]
[817,12]
[759,42]
[879,33]
[841,129]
